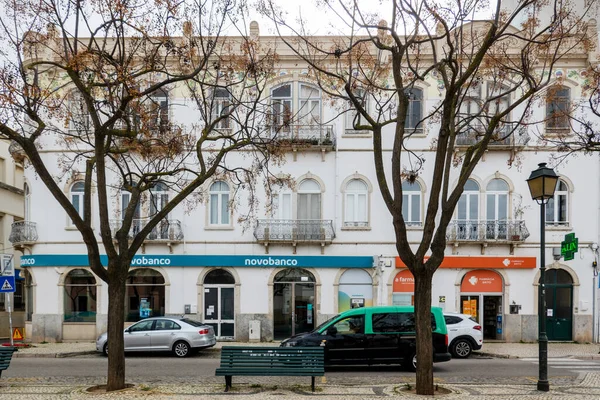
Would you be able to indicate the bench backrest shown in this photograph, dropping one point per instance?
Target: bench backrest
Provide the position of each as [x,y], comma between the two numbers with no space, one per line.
[272,357]
[5,356]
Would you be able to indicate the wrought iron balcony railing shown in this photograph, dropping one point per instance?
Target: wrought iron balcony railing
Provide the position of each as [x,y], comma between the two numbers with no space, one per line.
[518,138]
[307,135]
[167,230]
[23,232]
[294,231]
[487,231]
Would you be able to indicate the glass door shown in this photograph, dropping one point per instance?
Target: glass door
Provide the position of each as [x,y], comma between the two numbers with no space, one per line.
[282,310]
[304,307]
[219,310]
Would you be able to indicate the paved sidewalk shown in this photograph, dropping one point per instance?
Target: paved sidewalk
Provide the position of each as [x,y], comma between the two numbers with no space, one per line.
[503,350]
[586,386]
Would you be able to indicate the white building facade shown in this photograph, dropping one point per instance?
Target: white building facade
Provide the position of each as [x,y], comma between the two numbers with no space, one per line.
[329,244]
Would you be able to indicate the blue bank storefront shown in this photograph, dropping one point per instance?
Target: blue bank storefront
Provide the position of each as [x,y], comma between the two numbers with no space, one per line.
[244,297]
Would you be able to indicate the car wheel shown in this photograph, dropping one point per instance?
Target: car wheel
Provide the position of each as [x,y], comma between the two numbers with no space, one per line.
[181,349]
[462,348]
[105,349]
[410,363]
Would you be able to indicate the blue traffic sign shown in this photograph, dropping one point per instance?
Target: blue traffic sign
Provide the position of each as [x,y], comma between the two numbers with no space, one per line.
[7,284]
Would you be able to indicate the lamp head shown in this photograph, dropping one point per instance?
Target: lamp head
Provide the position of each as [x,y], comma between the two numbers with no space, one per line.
[542,183]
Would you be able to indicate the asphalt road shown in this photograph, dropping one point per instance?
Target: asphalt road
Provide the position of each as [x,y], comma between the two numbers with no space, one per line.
[200,368]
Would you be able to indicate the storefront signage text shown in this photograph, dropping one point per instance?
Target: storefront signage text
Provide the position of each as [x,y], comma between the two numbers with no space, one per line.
[81,260]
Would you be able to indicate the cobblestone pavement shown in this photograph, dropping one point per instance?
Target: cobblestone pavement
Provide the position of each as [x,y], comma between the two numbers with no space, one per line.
[586,386]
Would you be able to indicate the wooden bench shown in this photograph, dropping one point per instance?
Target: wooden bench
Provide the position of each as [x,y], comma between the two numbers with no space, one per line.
[5,357]
[271,361]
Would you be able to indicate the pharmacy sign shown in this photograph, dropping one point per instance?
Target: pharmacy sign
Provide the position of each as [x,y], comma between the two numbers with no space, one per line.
[569,246]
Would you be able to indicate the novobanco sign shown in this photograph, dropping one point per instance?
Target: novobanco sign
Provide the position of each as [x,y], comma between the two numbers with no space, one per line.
[169,260]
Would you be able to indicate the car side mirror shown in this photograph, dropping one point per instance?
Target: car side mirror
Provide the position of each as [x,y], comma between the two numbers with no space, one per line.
[332,331]
[127,330]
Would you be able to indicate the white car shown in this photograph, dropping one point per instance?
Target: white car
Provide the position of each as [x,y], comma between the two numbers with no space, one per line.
[179,336]
[464,334]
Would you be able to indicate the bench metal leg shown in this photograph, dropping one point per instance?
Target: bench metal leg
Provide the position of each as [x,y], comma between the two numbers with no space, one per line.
[312,383]
[227,383]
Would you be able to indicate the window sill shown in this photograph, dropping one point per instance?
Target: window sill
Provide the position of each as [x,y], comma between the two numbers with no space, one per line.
[414,227]
[218,228]
[559,227]
[558,132]
[357,134]
[355,228]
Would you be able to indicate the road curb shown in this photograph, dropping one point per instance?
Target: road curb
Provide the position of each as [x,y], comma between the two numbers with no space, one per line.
[53,355]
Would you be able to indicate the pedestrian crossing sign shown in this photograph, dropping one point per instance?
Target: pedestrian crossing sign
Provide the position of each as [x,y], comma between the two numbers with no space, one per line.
[7,284]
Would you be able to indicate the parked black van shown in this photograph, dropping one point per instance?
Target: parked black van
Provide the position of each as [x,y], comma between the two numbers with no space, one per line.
[374,335]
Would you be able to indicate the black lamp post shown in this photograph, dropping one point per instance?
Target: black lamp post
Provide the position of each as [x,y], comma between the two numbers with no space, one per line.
[542,183]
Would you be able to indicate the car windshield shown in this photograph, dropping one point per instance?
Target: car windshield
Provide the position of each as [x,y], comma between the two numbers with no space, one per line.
[318,328]
[192,322]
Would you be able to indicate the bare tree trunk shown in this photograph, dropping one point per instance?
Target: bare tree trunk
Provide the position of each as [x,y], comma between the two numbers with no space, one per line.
[423,281]
[116,320]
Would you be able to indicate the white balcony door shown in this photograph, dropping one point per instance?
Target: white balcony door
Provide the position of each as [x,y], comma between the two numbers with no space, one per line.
[282,206]
[468,212]
[497,209]
[159,197]
[309,208]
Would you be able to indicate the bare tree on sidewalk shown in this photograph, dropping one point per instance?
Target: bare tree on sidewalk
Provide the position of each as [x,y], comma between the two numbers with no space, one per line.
[98,80]
[489,73]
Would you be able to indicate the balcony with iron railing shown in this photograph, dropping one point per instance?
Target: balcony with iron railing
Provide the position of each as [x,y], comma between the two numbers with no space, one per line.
[23,233]
[506,137]
[294,231]
[167,230]
[487,231]
[309,137]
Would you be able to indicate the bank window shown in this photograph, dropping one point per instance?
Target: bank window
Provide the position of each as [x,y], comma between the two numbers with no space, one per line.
[80,296]
[145,294]
[350,325]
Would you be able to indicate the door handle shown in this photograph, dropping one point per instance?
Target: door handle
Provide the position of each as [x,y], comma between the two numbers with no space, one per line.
[147,334]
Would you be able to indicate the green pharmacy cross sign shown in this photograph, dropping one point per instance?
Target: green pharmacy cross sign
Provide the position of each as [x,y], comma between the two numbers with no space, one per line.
[568,248]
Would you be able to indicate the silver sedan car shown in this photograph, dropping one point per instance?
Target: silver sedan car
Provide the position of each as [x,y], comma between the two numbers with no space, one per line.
[180,336]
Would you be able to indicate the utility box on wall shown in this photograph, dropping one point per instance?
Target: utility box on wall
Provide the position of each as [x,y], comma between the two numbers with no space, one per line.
[254,331]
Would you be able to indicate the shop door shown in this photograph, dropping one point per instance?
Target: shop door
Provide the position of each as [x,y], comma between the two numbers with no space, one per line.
[219,308]
[559,305]
[559,315]
[293,309]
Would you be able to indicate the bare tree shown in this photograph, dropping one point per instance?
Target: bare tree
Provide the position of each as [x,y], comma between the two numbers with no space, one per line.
[97,80]
[489,73]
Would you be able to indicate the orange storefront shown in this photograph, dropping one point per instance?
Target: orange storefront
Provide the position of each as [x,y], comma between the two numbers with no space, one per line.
[481,287]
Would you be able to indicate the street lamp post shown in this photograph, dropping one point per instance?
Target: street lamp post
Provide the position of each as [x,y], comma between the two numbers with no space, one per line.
[542,183]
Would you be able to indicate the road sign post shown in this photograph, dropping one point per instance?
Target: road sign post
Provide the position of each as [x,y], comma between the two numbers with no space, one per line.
[7,285]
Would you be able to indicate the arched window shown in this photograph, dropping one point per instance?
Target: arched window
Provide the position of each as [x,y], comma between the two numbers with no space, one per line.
[557,107]
[79,118]
[353,117]
[221,108]
[356,203]
[145,294]
[497,209]
[309,200]
[355,290]
[281,207]
[219,203]
[159,197]
[467,212]
[157,108]
[309,101]
[80,296]
[557,211]
[282,107]
[136,224]
[411,203]
[27,214]
[414,112]
[77,196]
